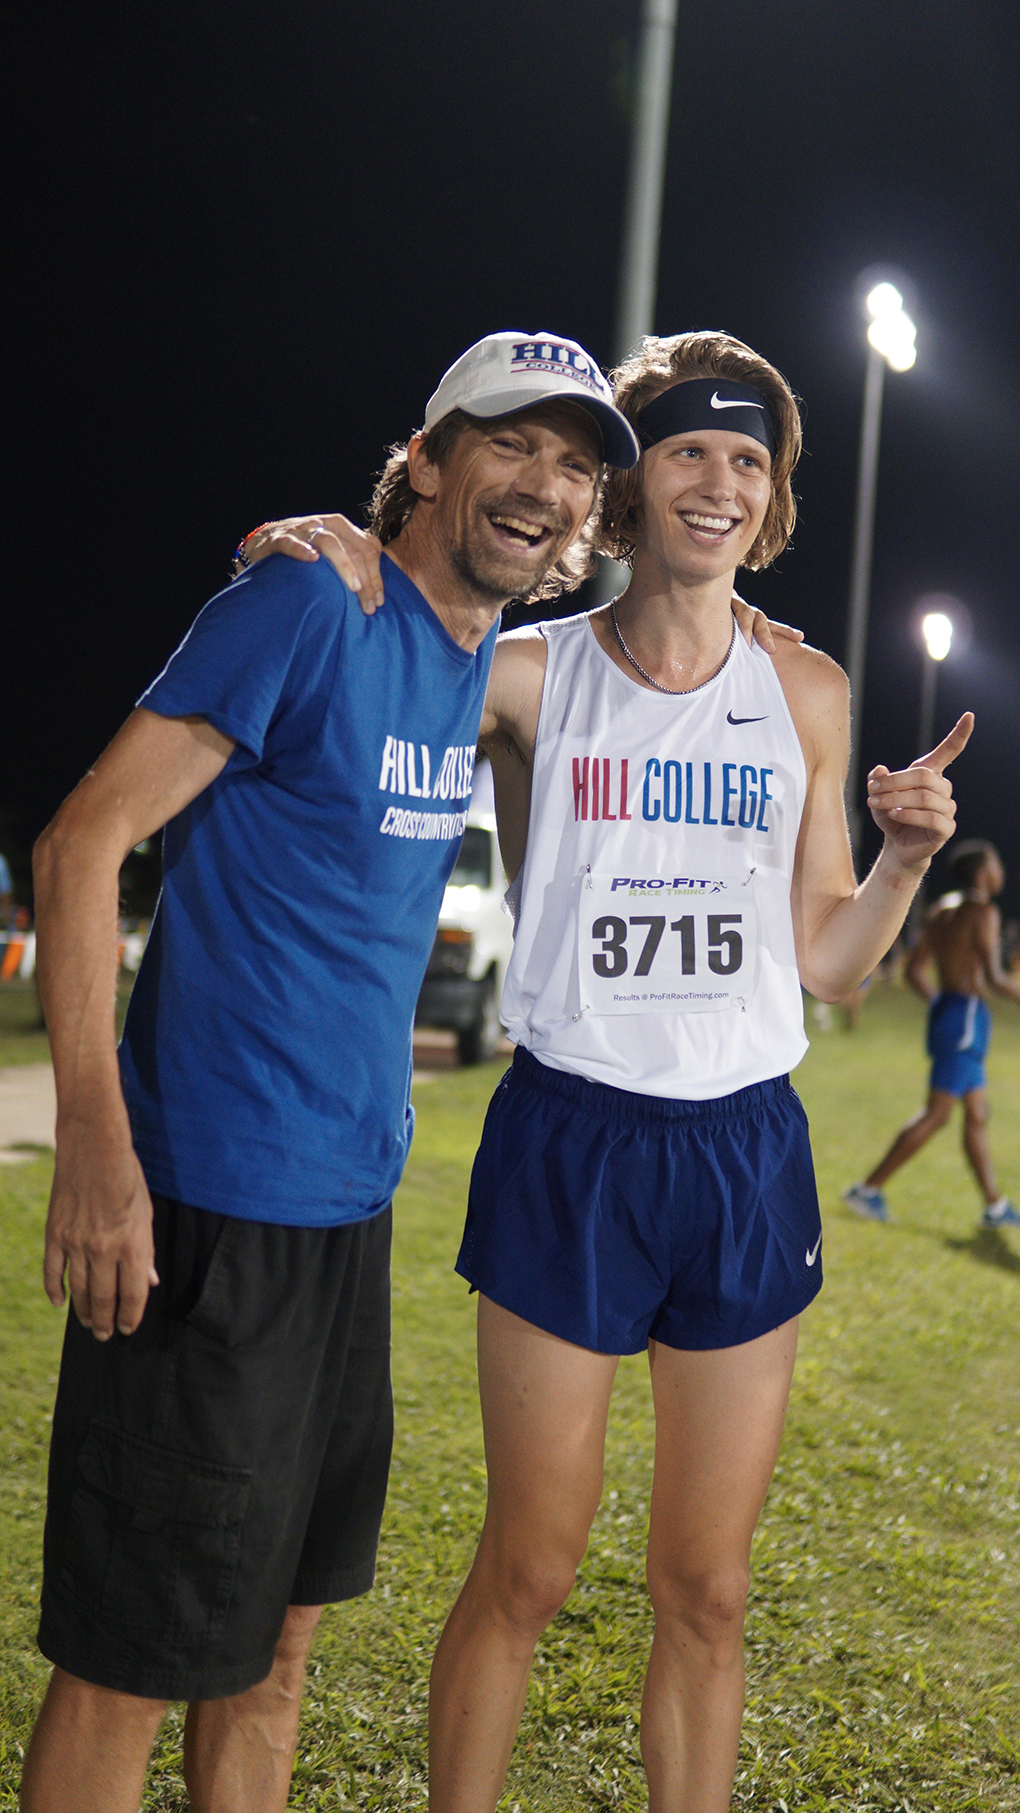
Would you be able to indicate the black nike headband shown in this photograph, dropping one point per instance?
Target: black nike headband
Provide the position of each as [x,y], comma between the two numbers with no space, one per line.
[707,403]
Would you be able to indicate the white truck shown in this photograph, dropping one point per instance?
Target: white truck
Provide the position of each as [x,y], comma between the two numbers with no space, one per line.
[474,938]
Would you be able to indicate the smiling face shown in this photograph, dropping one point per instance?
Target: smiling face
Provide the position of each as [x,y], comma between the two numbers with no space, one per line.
[511,496]
[658,367]
[703,501]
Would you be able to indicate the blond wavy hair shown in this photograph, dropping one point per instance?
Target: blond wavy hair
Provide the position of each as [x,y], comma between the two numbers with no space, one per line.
[657,367]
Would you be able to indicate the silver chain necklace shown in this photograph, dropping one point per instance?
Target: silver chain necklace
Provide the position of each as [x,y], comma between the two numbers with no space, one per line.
[675,692]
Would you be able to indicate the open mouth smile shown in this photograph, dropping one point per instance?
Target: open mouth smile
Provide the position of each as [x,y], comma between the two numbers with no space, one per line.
[710,527]
[519,530]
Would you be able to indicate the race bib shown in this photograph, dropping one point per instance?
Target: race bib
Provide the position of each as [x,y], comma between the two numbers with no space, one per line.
[666,943]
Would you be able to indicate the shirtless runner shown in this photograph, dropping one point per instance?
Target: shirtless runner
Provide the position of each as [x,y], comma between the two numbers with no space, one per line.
[962,942]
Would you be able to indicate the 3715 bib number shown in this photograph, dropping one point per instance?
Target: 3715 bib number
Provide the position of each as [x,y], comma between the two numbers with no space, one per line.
[671,945]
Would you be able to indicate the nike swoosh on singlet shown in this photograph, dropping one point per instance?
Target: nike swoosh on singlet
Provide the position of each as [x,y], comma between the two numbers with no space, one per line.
[730,719]
[812,1252]
[718,402]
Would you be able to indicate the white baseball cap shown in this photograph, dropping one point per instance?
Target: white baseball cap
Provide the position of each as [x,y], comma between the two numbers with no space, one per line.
[507,372]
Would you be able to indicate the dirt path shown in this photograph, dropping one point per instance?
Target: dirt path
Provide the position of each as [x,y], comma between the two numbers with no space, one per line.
[28,1110]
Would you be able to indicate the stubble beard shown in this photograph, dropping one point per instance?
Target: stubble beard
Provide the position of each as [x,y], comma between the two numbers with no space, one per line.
[496,576]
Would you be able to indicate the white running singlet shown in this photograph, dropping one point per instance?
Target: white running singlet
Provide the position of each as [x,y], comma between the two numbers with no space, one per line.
[654,942]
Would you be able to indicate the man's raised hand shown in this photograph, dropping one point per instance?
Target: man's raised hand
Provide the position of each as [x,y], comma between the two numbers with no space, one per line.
[350,550]
[915,808]
[754,626]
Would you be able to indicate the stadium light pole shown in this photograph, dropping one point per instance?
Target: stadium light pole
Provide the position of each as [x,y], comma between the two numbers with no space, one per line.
[891,341]
[642,226]
[642,221]
[937,630]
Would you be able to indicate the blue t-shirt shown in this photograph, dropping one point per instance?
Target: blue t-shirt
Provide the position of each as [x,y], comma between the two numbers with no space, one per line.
[266,1057]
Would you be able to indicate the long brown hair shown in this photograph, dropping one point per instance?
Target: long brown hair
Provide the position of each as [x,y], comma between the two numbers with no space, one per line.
[657,367]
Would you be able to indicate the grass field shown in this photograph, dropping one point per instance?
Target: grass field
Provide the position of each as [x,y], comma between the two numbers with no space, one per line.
[22,1039]
[882,1638]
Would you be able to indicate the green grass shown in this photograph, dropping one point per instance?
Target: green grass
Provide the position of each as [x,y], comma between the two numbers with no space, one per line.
[22,1039]
[882,1630]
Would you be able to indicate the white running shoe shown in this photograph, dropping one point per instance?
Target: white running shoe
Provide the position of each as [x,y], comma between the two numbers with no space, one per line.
[1001,1214]
[869,1204]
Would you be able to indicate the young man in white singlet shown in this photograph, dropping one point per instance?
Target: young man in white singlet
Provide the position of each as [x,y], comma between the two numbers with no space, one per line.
[671,807]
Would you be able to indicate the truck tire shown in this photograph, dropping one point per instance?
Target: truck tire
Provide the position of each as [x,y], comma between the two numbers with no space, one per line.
[477,1043]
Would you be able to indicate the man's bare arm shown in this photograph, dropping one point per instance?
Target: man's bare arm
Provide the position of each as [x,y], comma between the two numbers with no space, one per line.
[508,732]
[100,1219]
[914,970]
[842,930]
[989,940]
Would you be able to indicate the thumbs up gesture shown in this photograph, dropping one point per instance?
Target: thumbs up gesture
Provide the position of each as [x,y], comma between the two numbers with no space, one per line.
[915,808]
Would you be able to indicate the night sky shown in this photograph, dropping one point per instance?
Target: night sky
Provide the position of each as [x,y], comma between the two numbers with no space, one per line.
[247,241]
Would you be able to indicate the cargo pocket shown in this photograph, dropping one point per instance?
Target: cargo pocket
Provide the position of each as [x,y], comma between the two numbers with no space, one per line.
[158,1535]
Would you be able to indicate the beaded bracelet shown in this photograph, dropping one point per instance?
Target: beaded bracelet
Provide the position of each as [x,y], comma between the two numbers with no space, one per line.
[240,557]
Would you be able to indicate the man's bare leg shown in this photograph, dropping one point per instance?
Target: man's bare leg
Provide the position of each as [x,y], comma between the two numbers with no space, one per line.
[544,1407]
[89,1749]
[913,1136]
[718,1424]
[975,1143]
[239,1752]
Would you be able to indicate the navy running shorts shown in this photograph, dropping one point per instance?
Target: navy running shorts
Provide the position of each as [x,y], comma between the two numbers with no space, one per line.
[225,1461]
[959,1028]
[610,1218]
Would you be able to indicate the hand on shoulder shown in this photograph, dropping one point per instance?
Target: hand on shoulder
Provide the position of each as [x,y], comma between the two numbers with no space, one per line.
[353,553]
[818,694]
[754,626]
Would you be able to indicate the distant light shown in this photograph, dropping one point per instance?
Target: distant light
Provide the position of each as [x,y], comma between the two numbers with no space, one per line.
[938,634]
[884,299]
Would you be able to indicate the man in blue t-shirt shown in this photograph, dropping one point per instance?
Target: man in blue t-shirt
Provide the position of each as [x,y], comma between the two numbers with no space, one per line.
[220,1201]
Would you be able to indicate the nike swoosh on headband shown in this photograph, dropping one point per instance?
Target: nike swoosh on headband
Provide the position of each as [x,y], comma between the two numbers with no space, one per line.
[696,403]
[730,719]
[718,402]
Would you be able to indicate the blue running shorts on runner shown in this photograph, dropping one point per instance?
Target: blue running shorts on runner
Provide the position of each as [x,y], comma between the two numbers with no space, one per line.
[959,1028]
[609,1218]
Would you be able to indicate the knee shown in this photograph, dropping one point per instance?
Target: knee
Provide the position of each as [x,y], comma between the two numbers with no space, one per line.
[530,1590]
[708,1606]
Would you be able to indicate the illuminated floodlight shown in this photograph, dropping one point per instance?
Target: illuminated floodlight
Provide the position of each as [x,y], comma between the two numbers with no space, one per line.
[894,336]
[937,631]
[884,299]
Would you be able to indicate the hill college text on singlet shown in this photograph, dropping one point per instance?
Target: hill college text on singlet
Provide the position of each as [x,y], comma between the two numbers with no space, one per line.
[654,947]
